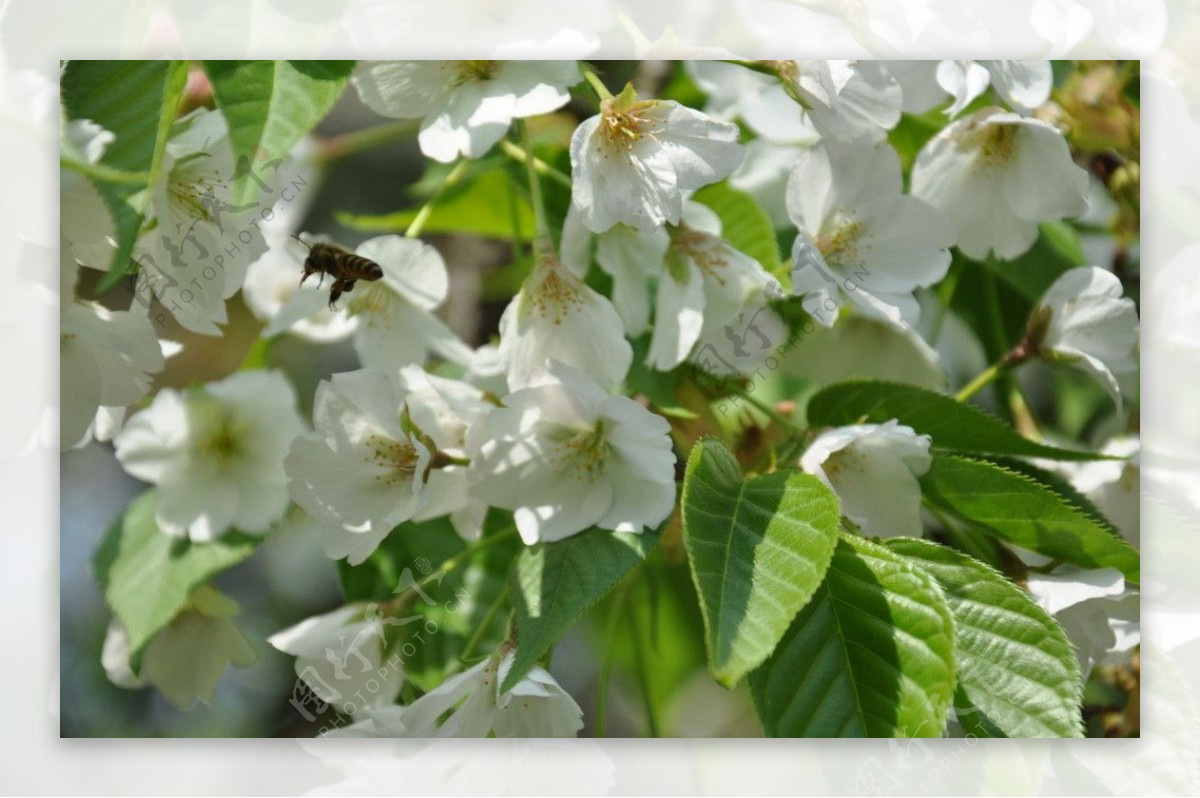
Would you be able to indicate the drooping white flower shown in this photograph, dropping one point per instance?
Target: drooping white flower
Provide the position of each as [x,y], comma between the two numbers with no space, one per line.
[873,469]
[1083,319]
[630,162]
[565,456]
[106,358]
[396,323]
[472,705]
[186,658]
[759,100]
[340,655]
[216,454]
[844,99]
[1100,615]
[467,106]
[200,243]
[861,240]
[368,465]
[996,175]
[556,315]
[1022,85]
[706,287]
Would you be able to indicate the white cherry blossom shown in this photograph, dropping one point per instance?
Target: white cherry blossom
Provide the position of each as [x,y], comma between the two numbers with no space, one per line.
[471,704]
[186,658]
[1021,85]
[340,655]
[200,243]
[630,162]
[873,469]
[1085,320]
[844,99]
[564,456]
[556,315]
[215,453]
[465,106]
[1098,611]
[396,323]
[861,240]
[759,100]
[996,175]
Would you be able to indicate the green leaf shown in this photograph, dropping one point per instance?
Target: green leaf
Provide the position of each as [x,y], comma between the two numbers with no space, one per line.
[485,206]
[136,101]
[1017,672]
[1023,511]
[952,425]
[745,225]
[758,549]
[553,583]
[270,105]
[872,655]
[147,576]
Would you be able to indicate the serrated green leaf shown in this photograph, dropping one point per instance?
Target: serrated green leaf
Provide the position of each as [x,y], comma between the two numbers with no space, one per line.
[758,549]
[1027,513]
[1017,672]
[553,583]
[270,105]
[872,655]
[147,576]
[1059,484]
[136,101]
[952,425]
[745,225]
[486,206]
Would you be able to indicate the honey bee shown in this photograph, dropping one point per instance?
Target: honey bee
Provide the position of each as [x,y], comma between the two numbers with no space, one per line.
[345,267]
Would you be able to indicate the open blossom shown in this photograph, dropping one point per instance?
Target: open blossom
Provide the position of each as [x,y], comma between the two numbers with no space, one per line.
[1022,85]
[1085,320]
[396,323]
[186,658]
[564,456]
[471,704]
[1099,612]
[844,99]
[341,654]
[759,100]
[861,240]
[996,175]
[215,453]
[556,315]
[630,162]
[467,106]
[705,287]
[196,253]
[873,469]
[369,464]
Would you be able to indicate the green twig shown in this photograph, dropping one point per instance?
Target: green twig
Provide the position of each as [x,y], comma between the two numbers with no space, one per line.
[535,185]
[770,412]
[544,169]
[640,644]
[341,146]
[398,604]
[606,664]
[107,174]
[473,643]
[594,81]
[422,217]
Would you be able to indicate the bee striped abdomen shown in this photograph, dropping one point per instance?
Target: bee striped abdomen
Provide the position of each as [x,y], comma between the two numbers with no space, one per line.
[357,267]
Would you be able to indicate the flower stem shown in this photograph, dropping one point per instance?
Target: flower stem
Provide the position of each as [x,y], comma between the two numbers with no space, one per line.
[544,169]
[981,381]
[342,146]
[535,185]
[606,665]
[473,643]
[594,81]
[106,174]
[769,412]
[422,217]
[398,604]
[640,644]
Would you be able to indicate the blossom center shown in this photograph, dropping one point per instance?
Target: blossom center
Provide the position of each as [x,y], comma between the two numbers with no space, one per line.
[701,249]
[583,455]
[555,291]
[839,245]
[193,194]
[397,460]
[472,71]
[995,145]
[623,123]
[221,441]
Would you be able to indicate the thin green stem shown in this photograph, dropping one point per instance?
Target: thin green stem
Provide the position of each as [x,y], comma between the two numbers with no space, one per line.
[761,67]
[594,81]
[343,146]
[107,174]
[981,381]
[398,604]
[599,725]
[535,185]
[770,412]
[640,644]
[473,643]
[422,217]
[544,169]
